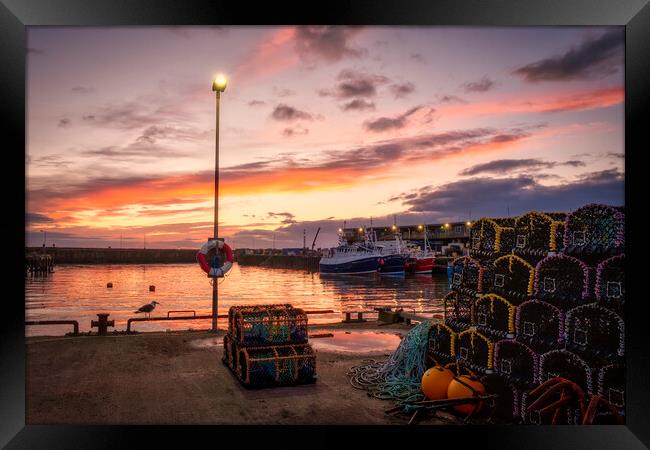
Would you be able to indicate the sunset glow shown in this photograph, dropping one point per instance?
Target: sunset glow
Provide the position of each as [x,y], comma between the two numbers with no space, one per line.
[318,125]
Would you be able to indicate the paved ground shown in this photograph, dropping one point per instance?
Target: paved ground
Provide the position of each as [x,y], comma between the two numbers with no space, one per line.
[166,378]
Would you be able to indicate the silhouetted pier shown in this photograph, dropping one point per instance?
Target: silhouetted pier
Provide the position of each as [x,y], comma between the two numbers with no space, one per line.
[39,263]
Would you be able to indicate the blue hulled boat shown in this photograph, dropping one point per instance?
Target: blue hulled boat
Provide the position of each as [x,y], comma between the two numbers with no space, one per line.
[394,255]
[350,259]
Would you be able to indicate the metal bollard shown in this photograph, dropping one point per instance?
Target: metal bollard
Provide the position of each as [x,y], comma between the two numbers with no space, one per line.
[102,324]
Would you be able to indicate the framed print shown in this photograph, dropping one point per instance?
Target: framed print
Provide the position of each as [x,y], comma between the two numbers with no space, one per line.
[409,220]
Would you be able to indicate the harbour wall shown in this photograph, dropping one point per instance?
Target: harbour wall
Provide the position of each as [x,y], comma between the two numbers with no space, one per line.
[309,263]
[69,255]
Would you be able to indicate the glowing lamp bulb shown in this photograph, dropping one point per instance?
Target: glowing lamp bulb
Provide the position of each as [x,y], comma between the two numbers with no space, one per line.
[219,83]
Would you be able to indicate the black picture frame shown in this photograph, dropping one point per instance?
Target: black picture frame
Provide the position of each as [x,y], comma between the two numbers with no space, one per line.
[16,15]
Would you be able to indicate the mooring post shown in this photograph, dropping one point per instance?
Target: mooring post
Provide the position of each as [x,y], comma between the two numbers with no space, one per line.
[102,324]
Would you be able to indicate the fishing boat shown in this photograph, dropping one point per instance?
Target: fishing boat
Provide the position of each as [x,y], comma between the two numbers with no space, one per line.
[351,259]
[421,260]
[394,254]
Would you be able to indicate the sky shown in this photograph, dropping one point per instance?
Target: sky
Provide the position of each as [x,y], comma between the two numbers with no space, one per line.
[318,125]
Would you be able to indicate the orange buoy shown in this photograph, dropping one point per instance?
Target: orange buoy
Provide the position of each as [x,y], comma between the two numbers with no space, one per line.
[457,389]
[435,382]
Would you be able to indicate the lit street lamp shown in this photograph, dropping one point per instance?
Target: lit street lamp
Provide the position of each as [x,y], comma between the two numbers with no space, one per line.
[218,85]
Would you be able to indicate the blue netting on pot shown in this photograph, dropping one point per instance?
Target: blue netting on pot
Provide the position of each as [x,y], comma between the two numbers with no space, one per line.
[563,280]
[494,316]
[250,308]
[595,229]
[467,275]
[610,283]
[540,325]
[595,333]
[475,351]
[269,325]
[279,365]
[441,348]
[516,362]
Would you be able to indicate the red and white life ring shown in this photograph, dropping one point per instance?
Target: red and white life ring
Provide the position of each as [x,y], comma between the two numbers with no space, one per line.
[203,262]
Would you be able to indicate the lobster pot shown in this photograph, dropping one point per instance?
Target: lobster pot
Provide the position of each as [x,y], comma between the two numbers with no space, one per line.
[492,237]
[570,416]
[595,333]
[511,277]
[539,325]
[495,316]
[595,229]
[611,385]
[276,365]
[270,326]
[516,362]
[475,351]
[230,352]
[610,283]
[506,407]
[536,233]
[563,363]
[467,275]
[232,312]
[563,280]
[458,310]
[441,348]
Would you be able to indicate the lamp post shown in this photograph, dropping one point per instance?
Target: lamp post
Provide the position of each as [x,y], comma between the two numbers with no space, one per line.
[218,85]
[44,237]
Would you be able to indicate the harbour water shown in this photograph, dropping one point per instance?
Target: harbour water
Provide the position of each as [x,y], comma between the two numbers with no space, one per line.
[79,292]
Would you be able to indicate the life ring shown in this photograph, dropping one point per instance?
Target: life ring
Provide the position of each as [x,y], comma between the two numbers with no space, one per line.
[201,257]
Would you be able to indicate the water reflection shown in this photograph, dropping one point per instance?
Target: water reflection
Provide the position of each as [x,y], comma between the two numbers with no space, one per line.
[79,292]
[358,342]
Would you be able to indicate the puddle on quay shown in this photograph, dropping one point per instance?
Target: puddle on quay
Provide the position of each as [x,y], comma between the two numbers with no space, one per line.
[357,342]
[341,342]
[207,343]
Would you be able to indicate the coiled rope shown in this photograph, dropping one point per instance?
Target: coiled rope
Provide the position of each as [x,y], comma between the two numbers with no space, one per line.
[399,377]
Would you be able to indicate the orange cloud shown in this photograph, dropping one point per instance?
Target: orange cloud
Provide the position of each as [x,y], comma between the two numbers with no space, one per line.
[130,200]
[546,103]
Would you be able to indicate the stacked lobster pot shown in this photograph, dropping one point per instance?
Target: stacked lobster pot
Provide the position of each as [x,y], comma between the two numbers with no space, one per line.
[267,345]
[536,313]
[576,320]
[507,283]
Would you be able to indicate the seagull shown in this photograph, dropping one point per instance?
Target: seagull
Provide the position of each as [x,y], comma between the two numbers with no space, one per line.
[147,308]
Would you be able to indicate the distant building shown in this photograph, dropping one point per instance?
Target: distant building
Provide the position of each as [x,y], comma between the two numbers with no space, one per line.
[452,236]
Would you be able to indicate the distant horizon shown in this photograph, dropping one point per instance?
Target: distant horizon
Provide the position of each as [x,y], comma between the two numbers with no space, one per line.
[319,125]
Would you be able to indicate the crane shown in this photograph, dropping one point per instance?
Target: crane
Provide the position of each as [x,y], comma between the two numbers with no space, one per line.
[314,242]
